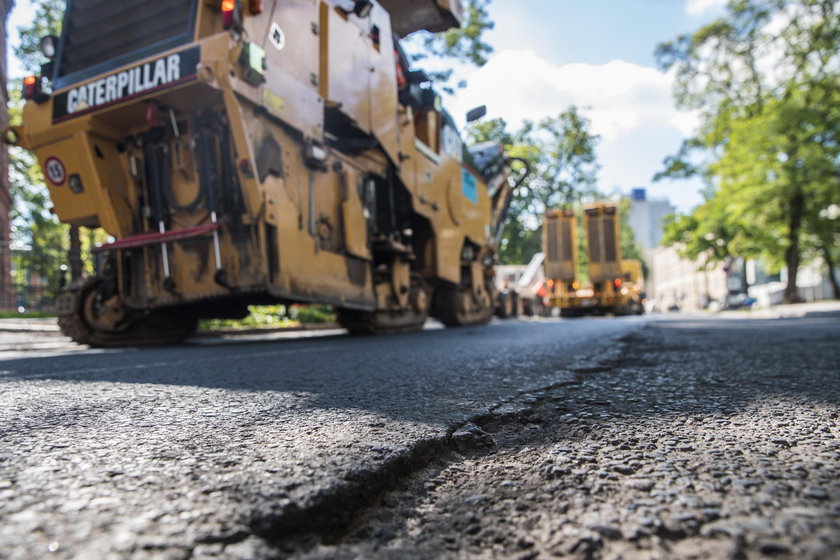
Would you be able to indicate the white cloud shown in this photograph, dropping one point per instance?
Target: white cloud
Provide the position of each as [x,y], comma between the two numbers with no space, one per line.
[618,96]
[697,7]
[630,107]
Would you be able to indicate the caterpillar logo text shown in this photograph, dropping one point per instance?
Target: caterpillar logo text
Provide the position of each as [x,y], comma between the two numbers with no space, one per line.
[126,84]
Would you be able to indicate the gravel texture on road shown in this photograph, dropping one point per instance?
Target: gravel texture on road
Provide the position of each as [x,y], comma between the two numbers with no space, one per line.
[596,438]
[693,439]
[228,450]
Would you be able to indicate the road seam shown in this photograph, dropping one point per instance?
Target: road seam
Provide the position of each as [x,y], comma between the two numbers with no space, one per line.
[330,516]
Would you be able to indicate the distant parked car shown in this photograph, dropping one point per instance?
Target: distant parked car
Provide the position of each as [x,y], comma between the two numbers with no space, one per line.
[738,301]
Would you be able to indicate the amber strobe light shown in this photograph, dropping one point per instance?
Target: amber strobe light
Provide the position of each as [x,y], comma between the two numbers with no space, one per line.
[30,87]
[228,9]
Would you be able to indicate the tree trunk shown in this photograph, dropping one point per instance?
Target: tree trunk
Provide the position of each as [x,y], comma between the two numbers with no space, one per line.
[74,255]
[797,211]
[835,287]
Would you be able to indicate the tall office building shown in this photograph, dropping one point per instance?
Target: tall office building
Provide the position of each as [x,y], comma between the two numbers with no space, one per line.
[646,218]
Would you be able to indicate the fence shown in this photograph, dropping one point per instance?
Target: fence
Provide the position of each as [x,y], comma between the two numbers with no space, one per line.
[24,298]
[22,290]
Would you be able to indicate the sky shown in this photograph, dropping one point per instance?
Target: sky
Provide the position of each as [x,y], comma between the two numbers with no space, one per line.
[22,14]
[596,54]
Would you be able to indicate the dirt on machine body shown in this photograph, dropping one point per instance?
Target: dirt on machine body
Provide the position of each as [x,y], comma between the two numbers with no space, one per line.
[262,151]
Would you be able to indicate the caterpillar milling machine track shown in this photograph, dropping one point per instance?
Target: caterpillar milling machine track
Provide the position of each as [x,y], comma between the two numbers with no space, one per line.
[256,152]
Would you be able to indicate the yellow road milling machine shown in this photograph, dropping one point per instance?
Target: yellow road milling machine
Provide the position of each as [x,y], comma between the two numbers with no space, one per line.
[242,152]
[615,284]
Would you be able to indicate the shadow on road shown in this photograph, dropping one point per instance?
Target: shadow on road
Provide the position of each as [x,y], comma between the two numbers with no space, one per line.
[421,375]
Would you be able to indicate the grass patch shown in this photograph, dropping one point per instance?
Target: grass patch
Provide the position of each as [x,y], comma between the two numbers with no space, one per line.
[273,316]
[26,315]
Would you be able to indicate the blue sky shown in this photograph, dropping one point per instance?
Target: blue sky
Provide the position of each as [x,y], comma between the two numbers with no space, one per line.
[594,31]
[597,54]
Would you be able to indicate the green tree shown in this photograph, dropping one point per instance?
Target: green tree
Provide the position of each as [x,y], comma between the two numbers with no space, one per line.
[36,228]
[561,153]
[566,170]
[521,237]
[561,150]
[630,248]
[49,15]
[704,236]
[465,44]
[771,137]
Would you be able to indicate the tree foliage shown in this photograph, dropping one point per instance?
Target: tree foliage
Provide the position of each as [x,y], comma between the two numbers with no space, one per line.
[630,247]
[47,20]
[566,168]
[765,80]
[464,44]
[561,153]
[39,239]
[42,241]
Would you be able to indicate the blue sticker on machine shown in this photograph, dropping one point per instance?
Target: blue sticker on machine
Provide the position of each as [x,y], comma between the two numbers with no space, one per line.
[469,186]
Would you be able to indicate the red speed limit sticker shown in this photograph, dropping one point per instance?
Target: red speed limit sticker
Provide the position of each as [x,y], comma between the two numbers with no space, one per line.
[55,171]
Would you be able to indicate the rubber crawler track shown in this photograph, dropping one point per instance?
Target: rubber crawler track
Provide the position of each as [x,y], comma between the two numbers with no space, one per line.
[143,330]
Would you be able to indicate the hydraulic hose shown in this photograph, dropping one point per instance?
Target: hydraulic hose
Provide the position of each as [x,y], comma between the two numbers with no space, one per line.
[506,195]
[155,169]
[208,179]
[191,206]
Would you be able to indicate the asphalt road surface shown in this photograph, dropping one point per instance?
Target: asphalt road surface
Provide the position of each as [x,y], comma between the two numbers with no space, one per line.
[164,451]
[592,438]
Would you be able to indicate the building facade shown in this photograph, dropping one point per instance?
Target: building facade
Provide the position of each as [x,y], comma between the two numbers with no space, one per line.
[6,291]
[646,218]
[680,284]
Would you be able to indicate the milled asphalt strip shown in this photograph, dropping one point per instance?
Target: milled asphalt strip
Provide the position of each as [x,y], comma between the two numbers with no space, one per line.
[329,508]
[331,513]
[135,367]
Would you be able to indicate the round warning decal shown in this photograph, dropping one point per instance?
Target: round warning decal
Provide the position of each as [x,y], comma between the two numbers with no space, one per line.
[55,171]
[277,37]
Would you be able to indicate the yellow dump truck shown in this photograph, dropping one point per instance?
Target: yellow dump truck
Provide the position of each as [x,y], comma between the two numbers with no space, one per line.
[246,152]
[631,292]
[614,284]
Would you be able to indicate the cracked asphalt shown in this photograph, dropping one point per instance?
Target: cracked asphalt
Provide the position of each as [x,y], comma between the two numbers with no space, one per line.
[231,448]
[601,438]
[695,439]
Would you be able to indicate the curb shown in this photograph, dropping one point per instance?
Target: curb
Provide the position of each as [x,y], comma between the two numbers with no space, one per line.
[796,311]
[28,327]
[51,327]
